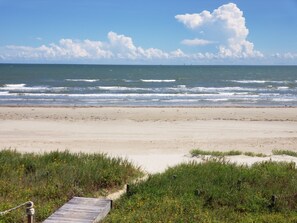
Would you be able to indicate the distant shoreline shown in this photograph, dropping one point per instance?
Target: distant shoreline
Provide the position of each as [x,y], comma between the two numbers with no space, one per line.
[157,65]
[133,106]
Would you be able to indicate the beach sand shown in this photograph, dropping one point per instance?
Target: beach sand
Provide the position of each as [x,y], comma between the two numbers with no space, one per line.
[151,137]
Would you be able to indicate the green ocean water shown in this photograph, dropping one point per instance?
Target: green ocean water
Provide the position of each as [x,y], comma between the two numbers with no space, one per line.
[124,85]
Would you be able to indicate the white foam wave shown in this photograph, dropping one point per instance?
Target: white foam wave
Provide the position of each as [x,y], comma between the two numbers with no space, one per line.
[260,82]
[257,81]
[183,89]
[4,92]
[283,88]
[217,99]
[22,87]
[220,89]
[83,80]
[129,81]
[284,99]
[138,96]
[98,95]
[226,93]
[249,81]
[279,82]
[182,100]
[119,88]
[157,81]
[269,94]
[241,93]
[210,89]
[13,86]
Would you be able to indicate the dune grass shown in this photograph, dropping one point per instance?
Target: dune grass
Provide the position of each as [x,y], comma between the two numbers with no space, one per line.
[252,154]
[213,192]
[51,179]
[198,152]
[284,152]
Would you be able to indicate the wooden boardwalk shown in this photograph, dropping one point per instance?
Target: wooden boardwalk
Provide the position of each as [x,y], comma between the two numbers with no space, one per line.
[82,210]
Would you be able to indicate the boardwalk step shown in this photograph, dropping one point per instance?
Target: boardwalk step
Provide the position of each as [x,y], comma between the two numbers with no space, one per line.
[81,209]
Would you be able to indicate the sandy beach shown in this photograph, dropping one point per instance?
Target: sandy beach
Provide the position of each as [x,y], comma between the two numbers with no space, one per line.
[150,136]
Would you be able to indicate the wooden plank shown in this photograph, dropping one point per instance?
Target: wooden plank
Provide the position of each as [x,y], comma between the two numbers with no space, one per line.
[81,209]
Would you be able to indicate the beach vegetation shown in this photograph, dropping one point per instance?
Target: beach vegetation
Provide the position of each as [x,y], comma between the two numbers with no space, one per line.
[213,191]
[252,154]
[285,152]
[199,152]
[51,179]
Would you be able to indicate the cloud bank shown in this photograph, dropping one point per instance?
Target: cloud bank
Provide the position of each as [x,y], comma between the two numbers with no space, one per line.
[117,47]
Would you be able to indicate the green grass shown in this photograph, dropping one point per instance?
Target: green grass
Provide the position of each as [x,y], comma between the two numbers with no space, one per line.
[284,152]
[213,192]
[254,154]
[51,179]
[198,152]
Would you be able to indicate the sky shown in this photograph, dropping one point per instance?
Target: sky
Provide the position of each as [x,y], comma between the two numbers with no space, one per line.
[252,32]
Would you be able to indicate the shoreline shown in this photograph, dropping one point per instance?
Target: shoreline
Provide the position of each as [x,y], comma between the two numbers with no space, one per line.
[145,106]
[151,137]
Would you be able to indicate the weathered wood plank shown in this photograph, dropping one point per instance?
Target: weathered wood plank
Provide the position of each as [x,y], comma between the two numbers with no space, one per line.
[81,209]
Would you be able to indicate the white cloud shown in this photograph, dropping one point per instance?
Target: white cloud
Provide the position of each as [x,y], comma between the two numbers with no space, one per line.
[124,48]
[226,25]
[65,49]
[193,21]
[287,56]
[119,47]
[196,42]
[178,54]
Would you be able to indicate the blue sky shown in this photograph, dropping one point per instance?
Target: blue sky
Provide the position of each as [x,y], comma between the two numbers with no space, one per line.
[149,32]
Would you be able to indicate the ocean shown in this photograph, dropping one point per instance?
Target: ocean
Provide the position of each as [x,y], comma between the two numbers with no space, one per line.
[125,85]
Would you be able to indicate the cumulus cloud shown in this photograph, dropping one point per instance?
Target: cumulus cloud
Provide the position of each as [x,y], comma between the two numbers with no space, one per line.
[117,47]
[226,25]
[196,42]
[122,46]
[193,21]
[65,49]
